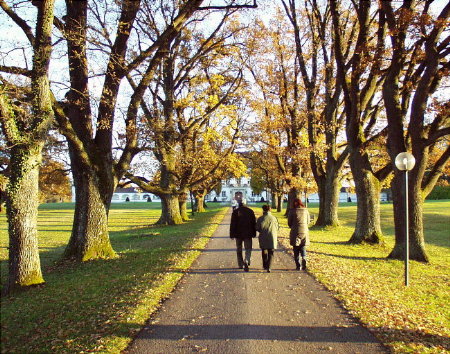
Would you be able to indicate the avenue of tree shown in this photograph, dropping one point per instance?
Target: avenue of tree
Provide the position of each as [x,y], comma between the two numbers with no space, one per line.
[320,90]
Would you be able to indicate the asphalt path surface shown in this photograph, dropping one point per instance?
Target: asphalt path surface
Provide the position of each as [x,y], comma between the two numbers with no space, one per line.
[218,308]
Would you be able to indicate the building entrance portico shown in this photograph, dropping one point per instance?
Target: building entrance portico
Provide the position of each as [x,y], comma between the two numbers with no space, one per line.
[236,189]
[239,195]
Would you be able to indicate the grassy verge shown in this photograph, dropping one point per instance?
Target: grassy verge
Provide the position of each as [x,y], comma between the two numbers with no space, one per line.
[100,305]
[413,319]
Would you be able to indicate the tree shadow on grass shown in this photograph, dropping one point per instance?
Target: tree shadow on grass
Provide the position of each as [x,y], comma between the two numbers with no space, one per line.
[121,240]
[332,243]
[207,250]
[89,295]
[350,257]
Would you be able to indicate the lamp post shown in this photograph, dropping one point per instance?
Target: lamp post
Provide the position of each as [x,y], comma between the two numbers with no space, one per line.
[192,203]
[405,162]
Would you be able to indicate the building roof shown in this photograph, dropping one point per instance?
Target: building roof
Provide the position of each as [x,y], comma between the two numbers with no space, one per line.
[125,190]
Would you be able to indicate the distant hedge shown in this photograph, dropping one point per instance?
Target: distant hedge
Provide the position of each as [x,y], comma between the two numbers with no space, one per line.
[439,192]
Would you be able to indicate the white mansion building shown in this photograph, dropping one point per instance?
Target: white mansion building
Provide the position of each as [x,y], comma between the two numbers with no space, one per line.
[230,188]
[237,187]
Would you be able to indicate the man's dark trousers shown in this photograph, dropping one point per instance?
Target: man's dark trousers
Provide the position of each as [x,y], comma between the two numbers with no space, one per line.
[248,251]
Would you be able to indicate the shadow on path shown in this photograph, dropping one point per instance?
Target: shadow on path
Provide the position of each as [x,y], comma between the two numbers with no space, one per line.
[257,332]
[215,271]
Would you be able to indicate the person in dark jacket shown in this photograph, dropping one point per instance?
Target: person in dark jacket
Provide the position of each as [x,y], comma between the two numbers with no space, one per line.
[267,226]
[298,220]
[242,229]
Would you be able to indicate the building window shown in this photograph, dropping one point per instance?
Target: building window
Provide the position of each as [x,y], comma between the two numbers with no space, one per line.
[224,193]
[115,197]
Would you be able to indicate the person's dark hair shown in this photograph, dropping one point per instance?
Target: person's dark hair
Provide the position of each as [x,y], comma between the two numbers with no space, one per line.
[266,207]
[298,203]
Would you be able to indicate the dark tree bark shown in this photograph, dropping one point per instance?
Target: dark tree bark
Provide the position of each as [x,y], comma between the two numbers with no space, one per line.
[91,157]
[416,239]
[368,189]
[410,75]
[280,203]
[96,172]
[275,202]
[325,171]
[328,186]
[359,87]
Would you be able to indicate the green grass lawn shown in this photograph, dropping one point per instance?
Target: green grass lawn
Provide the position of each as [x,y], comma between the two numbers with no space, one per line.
[100,305]
[412,319]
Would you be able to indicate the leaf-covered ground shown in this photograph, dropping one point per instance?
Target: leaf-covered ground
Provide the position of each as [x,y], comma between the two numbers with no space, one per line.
[412,319]
[99,306]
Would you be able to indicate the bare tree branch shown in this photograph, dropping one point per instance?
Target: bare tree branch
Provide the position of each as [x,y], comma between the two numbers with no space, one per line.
[19,21]
[15,70]
[227,7]
[432,177]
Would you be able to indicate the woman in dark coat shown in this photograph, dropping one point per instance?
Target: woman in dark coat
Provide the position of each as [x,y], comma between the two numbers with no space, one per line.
[298,220]
[267,226]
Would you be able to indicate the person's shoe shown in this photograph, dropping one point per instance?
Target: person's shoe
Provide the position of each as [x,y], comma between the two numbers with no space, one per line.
[245,267]
[304,264]
[297,267]
[268,270]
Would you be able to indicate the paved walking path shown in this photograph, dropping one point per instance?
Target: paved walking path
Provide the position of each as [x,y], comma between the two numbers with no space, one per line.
[218,308]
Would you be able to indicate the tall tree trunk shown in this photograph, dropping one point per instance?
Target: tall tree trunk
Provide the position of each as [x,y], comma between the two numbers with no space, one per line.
[91,166]
[415,201]
[280,203]
[26,138]
[90,237]
[411,94]
[200,203]
[274,204]
[182,200]
[368,188]
[22,209]
[397,144]
[170,213]
[293,193]
[329,200]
